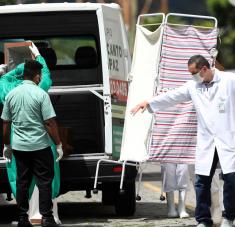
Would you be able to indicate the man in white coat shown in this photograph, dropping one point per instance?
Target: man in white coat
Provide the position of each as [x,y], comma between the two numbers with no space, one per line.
[213,95]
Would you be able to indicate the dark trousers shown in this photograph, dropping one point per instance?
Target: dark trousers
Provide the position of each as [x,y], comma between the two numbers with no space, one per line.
[203,195]
[39,164]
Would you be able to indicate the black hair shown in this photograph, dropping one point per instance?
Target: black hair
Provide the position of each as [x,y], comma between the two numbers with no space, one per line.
[199,60]
[32,68]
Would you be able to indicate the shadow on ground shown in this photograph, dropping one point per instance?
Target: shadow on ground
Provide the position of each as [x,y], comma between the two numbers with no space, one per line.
[95,213]
[151,176]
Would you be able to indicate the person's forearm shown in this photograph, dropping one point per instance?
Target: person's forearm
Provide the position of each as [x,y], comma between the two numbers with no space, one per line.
[168,99]
[46,81]
[52,130]
[6,132]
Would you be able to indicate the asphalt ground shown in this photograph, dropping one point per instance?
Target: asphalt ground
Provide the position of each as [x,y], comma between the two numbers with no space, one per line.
[76,210]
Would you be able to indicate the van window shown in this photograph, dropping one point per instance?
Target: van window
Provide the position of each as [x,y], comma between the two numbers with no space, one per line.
[64,48]
[68,41]
[72,60]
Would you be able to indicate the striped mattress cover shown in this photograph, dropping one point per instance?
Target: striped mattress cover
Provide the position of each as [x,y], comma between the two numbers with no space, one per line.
[174,131]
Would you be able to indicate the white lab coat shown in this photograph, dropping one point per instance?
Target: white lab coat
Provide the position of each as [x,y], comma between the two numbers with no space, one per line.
[215,107]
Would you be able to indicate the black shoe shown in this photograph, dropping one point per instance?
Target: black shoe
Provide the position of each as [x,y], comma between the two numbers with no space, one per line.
[49,222]
[24,222]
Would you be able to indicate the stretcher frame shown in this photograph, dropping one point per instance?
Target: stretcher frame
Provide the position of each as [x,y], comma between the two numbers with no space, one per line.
[165,21]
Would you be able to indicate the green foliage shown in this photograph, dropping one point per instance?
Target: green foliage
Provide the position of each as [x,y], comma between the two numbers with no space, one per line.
[65,56]
[7,2]
[151,23]
[225,14]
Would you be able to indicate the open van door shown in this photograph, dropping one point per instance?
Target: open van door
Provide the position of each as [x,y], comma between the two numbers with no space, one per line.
[118,61]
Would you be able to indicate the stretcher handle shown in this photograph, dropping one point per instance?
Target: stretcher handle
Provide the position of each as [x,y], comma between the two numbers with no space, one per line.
[151,15]
[192,16]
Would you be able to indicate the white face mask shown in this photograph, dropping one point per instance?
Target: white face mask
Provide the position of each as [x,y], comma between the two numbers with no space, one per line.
[197,78]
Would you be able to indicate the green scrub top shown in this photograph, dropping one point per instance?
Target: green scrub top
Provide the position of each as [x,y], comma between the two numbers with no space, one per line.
[28,106]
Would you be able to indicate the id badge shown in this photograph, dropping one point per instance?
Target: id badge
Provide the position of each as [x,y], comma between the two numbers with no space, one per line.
[222,106]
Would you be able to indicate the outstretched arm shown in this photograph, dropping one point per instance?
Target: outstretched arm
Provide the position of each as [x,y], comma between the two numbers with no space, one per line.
[164,100]
[46,82]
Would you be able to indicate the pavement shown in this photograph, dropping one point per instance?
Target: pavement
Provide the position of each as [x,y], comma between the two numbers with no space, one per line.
[76,210]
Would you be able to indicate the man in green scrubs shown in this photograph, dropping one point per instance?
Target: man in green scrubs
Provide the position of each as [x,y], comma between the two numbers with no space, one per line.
[29,110]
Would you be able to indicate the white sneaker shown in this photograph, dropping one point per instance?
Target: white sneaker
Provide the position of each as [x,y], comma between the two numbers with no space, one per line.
[183,214]
[226,223]
[203,224]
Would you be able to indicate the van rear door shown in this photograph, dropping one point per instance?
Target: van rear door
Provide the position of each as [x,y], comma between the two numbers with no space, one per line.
[117,58]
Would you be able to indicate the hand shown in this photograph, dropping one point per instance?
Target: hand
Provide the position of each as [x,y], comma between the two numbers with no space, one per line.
[7,152]
[141,106]
[59,151]
[34,50]
[3,68]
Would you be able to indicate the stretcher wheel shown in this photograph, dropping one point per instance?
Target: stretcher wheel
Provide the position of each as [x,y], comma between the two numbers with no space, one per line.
[162,197]
[138,197]
[88,194]
[95,191]
[122,192]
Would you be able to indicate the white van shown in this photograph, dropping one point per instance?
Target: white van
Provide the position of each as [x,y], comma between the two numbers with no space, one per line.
[86,48]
